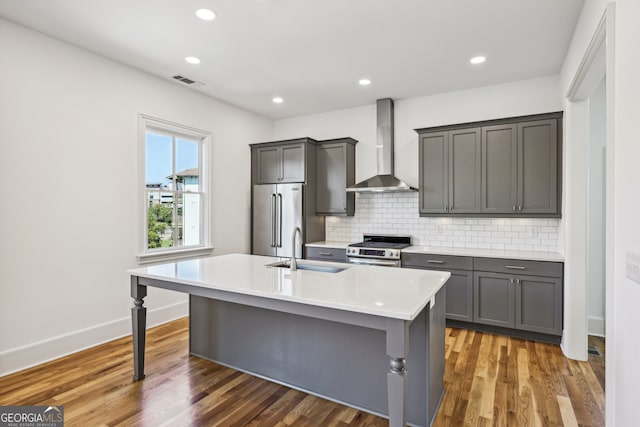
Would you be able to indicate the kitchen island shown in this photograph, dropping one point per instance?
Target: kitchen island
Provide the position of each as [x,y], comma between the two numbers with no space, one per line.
[343,335]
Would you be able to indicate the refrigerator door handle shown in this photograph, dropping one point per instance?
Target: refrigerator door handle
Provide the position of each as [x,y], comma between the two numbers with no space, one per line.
[273,220]
[279,221]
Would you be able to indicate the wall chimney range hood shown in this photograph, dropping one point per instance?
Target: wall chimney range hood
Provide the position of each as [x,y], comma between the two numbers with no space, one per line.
[383,181]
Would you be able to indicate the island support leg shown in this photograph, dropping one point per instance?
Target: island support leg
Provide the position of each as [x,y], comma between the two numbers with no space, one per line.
[397,349]
[139,327]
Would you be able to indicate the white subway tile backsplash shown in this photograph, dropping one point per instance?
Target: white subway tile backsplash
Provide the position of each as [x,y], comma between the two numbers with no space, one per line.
[397,213]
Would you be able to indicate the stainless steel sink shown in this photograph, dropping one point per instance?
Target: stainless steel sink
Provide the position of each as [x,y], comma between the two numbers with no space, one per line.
[309,267]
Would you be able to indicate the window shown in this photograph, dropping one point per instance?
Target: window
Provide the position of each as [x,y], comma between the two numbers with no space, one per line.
[173,190]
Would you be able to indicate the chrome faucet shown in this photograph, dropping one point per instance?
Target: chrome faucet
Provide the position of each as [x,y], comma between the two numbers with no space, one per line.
[293,266]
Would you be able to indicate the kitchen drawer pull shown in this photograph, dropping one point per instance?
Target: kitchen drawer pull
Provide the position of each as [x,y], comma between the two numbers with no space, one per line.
[325,253]
[515,267]
[435,261]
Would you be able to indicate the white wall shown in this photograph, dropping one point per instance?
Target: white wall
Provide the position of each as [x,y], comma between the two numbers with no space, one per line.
[623,203]
[485,103]
[492,102]
[573,232]
[626,315]
[397,213]
[596,212]
[68,170]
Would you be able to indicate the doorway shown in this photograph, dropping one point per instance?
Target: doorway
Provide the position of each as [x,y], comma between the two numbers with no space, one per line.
[589,219]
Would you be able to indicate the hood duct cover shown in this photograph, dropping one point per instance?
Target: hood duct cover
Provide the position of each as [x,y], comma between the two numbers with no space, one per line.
[384,181]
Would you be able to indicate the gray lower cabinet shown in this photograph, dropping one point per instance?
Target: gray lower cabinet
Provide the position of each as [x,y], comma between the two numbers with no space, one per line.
[539,304]
[493,295]
[507,293]
[525,295]
[326,254]
[281,161]
[459,287]
[449,169]
[335,171]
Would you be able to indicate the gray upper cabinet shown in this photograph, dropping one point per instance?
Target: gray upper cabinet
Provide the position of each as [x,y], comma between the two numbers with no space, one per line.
[538,167]
[335,171]
[499,169]
[293,164]
[433,154]
[450,172]
[520,168]
[507,167]
[269,164]
[281,161]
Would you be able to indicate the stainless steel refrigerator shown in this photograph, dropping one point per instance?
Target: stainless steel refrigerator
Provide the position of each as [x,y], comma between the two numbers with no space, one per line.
[277,211]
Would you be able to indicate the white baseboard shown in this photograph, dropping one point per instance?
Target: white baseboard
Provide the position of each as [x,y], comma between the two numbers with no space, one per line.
[596,326]
[20,358]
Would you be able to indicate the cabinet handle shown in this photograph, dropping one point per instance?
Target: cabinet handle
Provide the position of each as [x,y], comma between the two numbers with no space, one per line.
[435,261]
[520,207]
[515,267]
[273,220]
[511,280]
[325,253]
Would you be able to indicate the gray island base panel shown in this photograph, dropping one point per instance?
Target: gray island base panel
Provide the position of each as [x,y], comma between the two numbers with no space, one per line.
[350,364]
[357,358]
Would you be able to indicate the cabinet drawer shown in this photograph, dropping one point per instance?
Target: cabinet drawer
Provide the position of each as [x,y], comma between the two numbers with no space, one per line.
[444,262]
[327,254]
[520,267]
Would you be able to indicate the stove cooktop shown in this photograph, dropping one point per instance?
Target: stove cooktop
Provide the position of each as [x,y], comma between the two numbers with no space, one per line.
[380,245]
[383,242]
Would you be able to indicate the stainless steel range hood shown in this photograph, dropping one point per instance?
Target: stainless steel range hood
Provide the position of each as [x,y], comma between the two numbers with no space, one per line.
[384,181]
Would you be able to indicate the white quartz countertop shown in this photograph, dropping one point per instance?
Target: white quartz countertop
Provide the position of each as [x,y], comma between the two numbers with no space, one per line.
[486,253]
[380,291]
[328,244]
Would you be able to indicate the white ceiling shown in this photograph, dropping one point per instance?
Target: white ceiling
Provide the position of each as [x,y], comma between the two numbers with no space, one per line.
[313,52]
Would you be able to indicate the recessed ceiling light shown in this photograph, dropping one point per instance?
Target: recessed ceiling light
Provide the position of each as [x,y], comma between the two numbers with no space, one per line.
[478,59]
[364,82]
[277,100]
[192,60]
[206,14]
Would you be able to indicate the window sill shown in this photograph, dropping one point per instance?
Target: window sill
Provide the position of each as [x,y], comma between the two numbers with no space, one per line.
[182,254]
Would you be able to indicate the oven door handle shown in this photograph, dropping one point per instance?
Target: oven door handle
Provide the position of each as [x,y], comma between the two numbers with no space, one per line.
[367,262]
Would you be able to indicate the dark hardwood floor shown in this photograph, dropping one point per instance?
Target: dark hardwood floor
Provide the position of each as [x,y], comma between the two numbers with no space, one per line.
[489,380]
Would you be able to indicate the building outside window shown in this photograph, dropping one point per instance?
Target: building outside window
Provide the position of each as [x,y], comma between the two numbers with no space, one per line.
[175,190]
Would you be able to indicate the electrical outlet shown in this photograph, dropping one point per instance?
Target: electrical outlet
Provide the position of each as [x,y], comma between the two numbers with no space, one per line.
[533,232]
[632,264]
[439,229]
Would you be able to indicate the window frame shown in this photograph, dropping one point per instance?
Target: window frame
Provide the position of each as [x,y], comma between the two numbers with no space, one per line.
[165,127]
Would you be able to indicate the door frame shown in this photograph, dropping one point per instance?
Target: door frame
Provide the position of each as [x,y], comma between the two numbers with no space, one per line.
[598,61]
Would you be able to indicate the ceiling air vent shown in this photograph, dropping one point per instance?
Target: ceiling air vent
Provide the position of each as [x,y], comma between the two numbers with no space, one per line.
[188,81]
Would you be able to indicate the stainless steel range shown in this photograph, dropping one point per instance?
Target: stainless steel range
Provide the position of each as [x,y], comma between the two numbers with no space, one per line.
[377,249]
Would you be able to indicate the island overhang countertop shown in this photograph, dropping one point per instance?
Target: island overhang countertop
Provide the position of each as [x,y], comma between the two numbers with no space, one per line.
[379,291]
